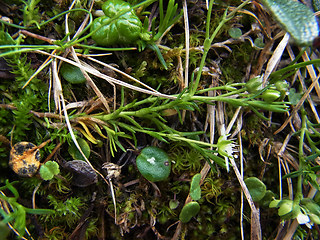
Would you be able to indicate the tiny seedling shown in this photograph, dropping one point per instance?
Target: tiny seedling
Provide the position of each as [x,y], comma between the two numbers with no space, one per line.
[49,170]
[126,29]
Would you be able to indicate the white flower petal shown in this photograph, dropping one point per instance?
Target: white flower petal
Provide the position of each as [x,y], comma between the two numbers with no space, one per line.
[309,225]
[302,218]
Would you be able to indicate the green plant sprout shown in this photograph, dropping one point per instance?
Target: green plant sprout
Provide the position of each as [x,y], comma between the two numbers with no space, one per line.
[49,170]
[65,212]
[209,39]
[31,13]
[126,29]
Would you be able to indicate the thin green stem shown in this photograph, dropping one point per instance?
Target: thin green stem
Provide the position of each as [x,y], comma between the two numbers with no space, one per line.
[299,194]
[228,87]
[48,21]
[208,41]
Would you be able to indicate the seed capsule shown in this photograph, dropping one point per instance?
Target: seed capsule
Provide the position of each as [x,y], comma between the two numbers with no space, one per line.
[83,174]
[24,159]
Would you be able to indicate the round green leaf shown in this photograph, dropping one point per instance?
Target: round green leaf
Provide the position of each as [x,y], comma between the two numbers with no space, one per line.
[235,32]
[49,170]
[258,42]
[288,210]
[296,18]
[154,164]
[126,29]
[188,211]
[294,97]
[286,207]
[274,203]
[173,204]
[256,188]
[72,74]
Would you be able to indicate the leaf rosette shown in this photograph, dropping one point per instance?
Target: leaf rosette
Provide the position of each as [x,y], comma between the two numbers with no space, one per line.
[108,30]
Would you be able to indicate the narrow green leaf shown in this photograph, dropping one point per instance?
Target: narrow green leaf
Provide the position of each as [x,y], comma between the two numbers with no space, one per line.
[195,190]
[74,152]
[20,219]
[39,211]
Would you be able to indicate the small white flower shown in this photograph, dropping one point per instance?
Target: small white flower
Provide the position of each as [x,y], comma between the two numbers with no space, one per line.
[303,219]
[226,148]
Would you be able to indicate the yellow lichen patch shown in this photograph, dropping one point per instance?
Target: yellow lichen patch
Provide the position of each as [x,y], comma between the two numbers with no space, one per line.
[24,159]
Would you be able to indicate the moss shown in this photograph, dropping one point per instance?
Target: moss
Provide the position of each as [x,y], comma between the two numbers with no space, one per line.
[185,159]
[234,67]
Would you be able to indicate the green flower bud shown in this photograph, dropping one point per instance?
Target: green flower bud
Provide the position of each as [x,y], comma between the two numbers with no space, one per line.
[270,95]
[311,205]
[282,86]
[285,207]
[254,85]
[314,218]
